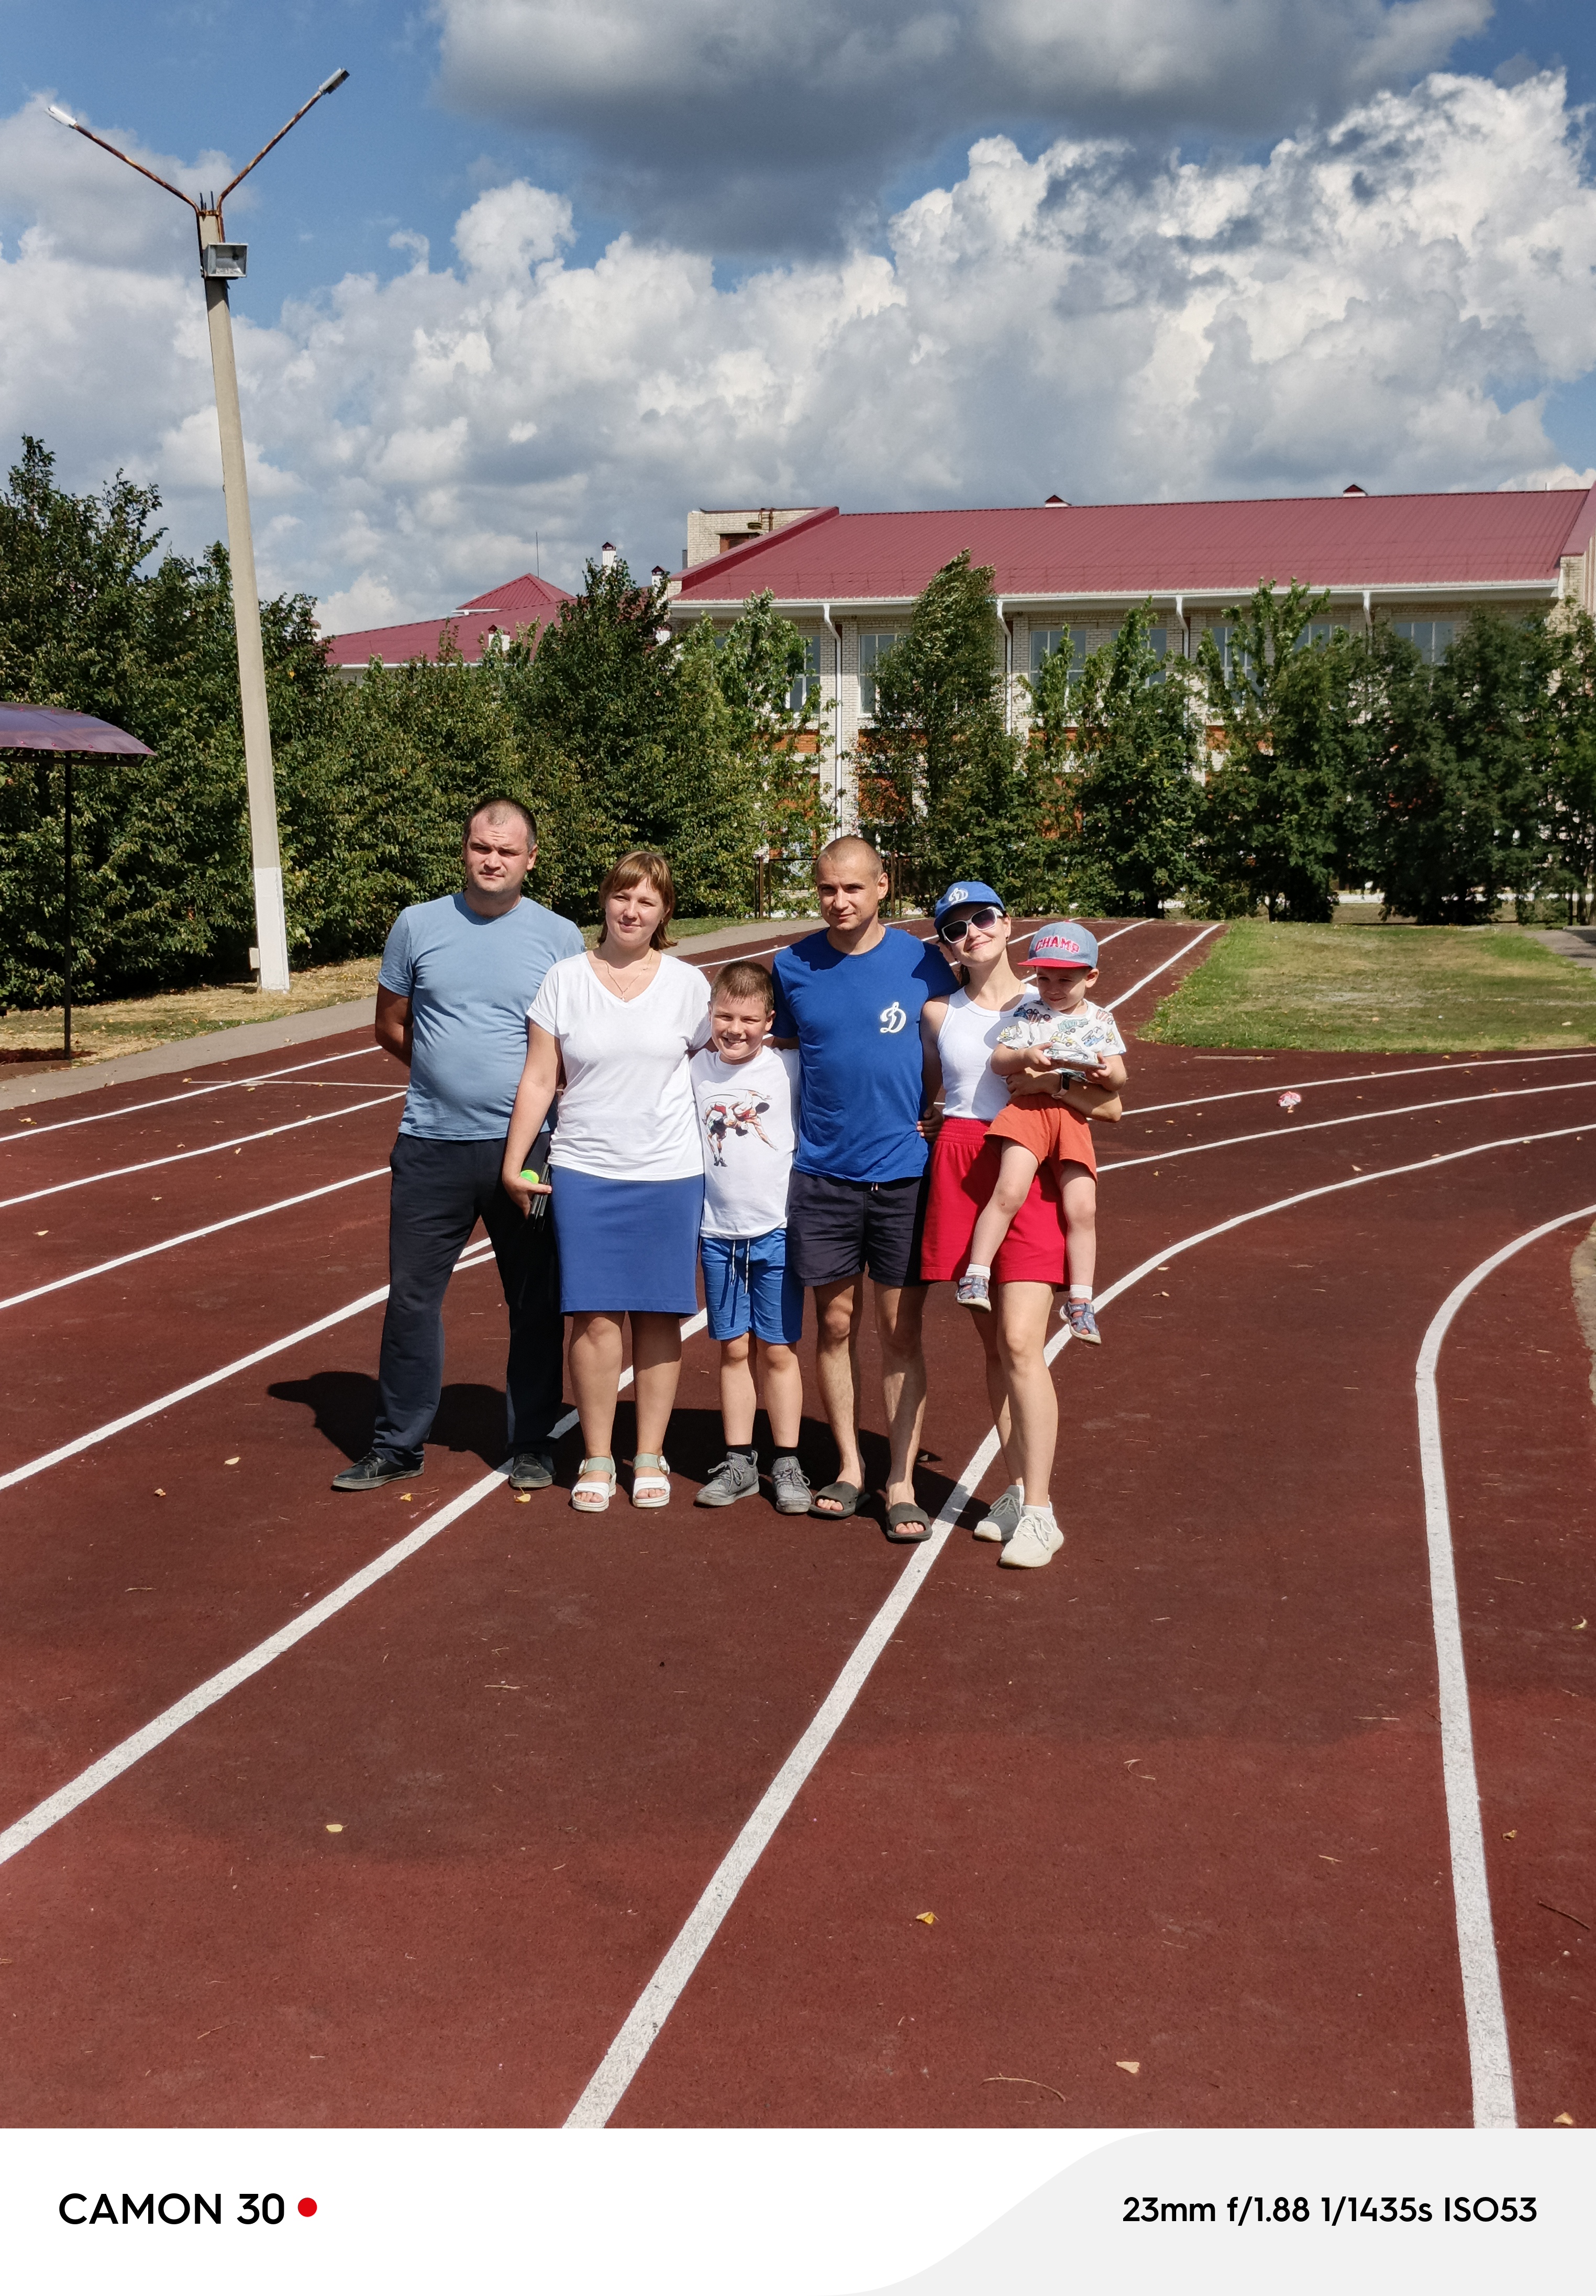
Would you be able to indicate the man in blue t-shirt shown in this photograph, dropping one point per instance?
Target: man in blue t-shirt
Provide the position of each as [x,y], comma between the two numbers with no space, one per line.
[850,999]
[457,978]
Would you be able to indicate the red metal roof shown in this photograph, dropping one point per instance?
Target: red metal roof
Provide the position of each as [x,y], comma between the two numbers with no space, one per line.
[1339,541]
[526,602]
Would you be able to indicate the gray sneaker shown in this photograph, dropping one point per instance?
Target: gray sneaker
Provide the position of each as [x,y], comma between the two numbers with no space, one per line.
[531,1470]
[792,1486]
[1002,1518]
[735,1479]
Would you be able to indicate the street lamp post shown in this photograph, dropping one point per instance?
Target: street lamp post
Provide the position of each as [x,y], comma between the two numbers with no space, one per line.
[221,260]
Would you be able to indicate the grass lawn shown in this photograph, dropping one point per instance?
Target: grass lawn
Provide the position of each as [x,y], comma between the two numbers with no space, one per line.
[136,1024]
[1380,989]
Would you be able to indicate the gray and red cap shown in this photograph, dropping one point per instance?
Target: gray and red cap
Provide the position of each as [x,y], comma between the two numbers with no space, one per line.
[1063,949]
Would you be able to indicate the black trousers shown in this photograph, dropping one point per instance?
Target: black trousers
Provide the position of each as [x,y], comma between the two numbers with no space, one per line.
[441,1188]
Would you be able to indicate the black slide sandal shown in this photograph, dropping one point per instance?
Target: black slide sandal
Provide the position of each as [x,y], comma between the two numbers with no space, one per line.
[847,1496]
[907,1511]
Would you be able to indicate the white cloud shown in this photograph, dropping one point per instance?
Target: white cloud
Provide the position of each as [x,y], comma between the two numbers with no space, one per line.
[1390,299]
[753,123]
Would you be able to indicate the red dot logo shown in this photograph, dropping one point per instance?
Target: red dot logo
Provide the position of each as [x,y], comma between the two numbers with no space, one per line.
[308,2208]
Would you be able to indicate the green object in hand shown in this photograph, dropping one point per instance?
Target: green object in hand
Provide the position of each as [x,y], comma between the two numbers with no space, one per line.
[530,1173]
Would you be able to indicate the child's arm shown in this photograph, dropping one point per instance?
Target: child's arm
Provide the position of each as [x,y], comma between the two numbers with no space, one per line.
[1099,1100]
[1022,1060]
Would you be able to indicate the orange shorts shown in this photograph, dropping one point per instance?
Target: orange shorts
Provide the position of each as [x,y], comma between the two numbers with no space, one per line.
[1054,1133]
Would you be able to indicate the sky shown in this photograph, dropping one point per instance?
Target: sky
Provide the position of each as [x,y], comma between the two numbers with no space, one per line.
[548,273]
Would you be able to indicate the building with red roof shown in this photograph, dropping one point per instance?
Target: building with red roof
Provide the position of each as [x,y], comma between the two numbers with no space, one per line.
[518,609]
[849,579]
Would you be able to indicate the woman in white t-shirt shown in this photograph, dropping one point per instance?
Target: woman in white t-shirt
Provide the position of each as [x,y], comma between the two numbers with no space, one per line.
[625,1166]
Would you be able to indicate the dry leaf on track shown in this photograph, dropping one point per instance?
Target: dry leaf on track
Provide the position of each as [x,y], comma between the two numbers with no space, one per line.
[1128,2065]
[927,1918]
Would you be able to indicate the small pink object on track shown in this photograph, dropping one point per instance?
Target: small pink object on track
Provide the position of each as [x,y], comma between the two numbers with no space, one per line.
[1291,1100]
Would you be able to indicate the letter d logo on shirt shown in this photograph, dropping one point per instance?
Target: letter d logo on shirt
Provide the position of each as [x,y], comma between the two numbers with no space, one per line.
[893,1020]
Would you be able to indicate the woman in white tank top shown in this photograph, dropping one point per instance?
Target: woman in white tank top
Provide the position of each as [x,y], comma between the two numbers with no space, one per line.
[957,1035]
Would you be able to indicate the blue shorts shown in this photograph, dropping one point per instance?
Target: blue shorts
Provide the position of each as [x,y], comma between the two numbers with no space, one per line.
[748,1286]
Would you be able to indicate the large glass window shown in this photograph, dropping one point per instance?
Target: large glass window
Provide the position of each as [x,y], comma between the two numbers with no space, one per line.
[1046,642]
[805,686]
[1431,638]
[875,645]
[1314,633]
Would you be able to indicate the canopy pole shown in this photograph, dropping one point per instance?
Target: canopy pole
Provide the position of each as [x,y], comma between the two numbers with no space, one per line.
[67,989]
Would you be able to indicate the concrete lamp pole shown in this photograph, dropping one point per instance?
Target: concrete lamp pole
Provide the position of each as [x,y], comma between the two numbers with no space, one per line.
[220,261]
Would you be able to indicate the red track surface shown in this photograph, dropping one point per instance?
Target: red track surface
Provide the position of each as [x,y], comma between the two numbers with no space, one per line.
[1175,1800]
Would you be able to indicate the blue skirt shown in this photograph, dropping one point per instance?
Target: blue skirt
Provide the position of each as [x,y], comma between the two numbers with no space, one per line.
[627,1247]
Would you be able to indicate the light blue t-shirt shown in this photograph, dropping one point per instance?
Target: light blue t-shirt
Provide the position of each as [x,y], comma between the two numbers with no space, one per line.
[856,1020]
[470,981]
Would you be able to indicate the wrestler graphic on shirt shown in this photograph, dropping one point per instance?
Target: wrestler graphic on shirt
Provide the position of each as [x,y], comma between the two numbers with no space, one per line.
[740,1117]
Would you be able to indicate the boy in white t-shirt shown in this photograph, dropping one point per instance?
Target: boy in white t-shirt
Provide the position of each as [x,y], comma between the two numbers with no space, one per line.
[747,1098]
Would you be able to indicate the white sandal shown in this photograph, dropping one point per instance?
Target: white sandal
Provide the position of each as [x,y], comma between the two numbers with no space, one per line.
[594,1486]
[650,1486]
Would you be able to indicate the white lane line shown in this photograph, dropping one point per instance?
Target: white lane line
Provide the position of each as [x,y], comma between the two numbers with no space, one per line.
[625,2055]
[1489,2056]
[121,1758]
[230,1084]
[1114,1004]
[1366,1076]
[193,1235]
[1284,1130]
[211,1148]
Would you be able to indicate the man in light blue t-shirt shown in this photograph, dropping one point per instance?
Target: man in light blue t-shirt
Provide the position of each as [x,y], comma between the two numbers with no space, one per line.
[457,978]
[850,999]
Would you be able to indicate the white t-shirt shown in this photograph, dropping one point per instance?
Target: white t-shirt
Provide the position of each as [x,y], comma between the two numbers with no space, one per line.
[626,1112]
[747,1128]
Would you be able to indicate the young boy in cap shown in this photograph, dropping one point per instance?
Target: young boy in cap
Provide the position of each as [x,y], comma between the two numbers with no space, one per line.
[1064,1035]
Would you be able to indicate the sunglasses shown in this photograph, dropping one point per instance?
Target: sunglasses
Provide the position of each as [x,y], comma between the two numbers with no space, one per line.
[957,927]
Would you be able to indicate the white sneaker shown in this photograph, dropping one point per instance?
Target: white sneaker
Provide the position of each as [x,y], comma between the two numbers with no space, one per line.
[1001,1519]
[1035,1542]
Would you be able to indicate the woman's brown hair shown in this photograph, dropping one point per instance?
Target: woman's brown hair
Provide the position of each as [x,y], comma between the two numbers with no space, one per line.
[642,867]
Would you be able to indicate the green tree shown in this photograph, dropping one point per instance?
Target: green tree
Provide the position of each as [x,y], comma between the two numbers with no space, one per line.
[1139,746]
[1571,786]
[1275,806]
[941,780]
[1458,783]
[780,736]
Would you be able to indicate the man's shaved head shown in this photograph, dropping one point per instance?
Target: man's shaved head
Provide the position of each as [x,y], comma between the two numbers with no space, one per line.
[856,852]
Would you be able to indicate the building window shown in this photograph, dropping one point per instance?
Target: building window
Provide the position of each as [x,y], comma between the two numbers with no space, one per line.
[1431,638]
[1046,642]
[805,686]
[1314,633]
[874,646]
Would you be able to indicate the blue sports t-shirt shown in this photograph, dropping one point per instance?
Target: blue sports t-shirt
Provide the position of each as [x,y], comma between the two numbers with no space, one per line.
[856,1020]
[470,981]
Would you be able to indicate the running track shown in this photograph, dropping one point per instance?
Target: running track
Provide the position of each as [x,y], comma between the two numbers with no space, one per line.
[1277,1784]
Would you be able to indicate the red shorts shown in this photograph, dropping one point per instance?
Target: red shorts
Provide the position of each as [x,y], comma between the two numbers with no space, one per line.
[964,1164]
[1053,1134]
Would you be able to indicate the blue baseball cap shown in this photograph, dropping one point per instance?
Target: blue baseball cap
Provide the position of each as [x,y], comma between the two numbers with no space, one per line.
[965,894]
[1065,948]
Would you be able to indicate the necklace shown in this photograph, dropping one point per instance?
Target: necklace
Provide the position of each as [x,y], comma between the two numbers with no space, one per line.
[646,969]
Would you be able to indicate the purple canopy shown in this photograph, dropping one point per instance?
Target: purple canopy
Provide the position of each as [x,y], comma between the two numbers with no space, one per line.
[24,725]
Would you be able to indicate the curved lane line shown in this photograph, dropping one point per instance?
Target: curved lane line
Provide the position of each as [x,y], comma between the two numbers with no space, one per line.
[1115,1003]
[1367,1076]
[472,1257]
[625,2055]
[193,1235]
[1489,2055]
[165,1724]
[211,1148]
[1329,1123]
[229,1083]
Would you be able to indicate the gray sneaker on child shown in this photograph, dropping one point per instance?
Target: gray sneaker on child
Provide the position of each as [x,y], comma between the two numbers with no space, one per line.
[735,1478]
[792,1487]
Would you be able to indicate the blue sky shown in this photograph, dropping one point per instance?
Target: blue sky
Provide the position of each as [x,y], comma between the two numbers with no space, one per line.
[770,177]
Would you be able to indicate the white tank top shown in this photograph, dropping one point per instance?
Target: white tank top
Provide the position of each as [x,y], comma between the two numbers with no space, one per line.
[965,1045]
